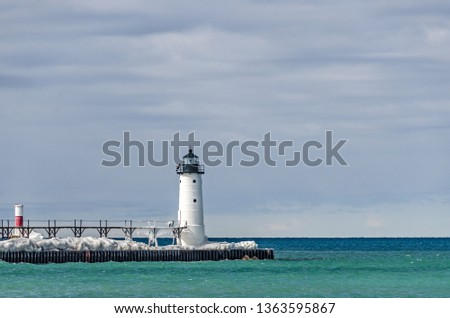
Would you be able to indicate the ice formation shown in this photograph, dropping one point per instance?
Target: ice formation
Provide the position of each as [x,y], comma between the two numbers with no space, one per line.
[36,242]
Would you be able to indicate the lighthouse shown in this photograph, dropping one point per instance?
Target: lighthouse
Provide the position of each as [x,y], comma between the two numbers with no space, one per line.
[190,211]
[18,214]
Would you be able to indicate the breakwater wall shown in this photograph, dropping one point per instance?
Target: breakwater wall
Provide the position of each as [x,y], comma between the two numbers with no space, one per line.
[45,257]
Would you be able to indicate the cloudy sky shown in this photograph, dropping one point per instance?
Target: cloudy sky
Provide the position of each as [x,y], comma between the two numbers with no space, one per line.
[74,74]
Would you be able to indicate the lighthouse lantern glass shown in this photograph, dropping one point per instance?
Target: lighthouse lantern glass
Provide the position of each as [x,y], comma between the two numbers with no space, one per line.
[191,161]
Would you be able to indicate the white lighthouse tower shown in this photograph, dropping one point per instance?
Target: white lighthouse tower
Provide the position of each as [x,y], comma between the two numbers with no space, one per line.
[190,211]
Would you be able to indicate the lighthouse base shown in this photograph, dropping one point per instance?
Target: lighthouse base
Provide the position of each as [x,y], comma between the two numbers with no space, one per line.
[193,235]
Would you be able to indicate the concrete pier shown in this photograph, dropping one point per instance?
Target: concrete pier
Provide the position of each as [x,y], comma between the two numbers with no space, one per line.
[176,255]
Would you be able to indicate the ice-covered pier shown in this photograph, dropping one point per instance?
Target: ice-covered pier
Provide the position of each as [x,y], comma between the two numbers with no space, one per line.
[23,244]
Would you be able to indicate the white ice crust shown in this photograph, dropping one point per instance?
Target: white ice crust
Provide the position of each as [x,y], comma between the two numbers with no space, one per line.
[36,242]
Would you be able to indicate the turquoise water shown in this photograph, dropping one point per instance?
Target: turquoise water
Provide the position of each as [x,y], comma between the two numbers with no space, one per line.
[303,268]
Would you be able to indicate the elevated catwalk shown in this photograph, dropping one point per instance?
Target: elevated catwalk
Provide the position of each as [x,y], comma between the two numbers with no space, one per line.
[176,255]
[102,227]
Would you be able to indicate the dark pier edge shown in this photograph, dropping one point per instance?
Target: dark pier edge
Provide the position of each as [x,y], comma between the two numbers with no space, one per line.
[45,257]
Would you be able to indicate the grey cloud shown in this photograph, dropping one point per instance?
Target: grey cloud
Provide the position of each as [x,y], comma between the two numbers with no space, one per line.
[75,74]
[14,81]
